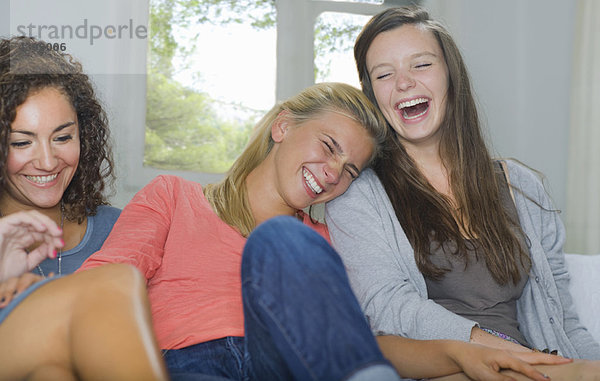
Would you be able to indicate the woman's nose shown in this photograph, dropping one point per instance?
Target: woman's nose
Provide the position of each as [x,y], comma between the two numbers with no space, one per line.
[404,81]
[333,171]
[46,158]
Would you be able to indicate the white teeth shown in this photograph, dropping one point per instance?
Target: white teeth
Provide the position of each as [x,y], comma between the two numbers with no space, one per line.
[412,102]
[414,116]
[310,180]
[42,179]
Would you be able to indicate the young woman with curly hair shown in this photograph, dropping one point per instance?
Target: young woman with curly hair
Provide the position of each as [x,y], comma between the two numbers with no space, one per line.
[55,165]
[54,148]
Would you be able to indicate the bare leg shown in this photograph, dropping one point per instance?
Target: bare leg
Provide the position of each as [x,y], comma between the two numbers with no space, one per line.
[93,325]
[51,373]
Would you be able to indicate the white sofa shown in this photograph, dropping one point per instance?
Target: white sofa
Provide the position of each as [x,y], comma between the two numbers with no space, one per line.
[585,288]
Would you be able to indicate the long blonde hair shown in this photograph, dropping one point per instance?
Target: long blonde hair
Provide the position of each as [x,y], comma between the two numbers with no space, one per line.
[229,197]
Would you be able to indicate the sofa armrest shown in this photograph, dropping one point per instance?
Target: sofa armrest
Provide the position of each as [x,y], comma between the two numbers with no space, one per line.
[585,289]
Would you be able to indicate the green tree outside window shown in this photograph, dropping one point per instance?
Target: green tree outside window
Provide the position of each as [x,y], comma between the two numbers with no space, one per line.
[185,126]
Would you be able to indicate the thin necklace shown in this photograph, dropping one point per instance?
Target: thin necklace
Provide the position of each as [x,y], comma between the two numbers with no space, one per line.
[59,257]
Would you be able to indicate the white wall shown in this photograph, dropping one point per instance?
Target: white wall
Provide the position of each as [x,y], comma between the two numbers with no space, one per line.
[519,56]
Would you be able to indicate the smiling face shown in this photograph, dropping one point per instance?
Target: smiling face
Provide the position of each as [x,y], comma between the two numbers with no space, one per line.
[317,160]
[43,151]
[410,81]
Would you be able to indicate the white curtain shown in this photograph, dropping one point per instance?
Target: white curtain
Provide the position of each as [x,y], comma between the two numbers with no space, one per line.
[583,188]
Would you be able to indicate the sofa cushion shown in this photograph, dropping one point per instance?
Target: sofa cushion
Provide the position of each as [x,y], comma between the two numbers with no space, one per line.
[585,289]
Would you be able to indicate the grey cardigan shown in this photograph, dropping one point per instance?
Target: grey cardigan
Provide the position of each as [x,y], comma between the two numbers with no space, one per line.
[392,292]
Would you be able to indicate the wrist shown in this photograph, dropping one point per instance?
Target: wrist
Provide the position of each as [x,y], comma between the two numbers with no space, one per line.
[452,351]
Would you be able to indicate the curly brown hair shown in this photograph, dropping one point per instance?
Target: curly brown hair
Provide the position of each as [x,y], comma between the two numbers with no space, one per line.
[28,65]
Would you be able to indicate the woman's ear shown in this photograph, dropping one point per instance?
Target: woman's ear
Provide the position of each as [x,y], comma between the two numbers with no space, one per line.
[279,126]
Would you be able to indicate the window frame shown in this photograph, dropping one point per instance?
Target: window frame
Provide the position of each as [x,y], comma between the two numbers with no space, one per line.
[295,71]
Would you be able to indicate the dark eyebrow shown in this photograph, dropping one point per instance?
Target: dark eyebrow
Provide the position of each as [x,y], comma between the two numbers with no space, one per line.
[57,129]
[340,151]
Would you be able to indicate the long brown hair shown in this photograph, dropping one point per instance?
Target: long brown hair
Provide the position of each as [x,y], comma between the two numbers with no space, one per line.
[229,197]
[425,214]
[28,65]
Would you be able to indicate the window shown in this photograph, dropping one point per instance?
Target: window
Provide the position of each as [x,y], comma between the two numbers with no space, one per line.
[335,34]
[211,75]
[215,67]
[360,1]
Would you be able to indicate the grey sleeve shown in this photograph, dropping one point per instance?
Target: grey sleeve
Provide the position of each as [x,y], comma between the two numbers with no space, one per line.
[551,234]
[380,264]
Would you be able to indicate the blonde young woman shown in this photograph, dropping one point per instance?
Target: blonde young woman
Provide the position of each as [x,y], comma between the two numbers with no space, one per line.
[290,313]
[441,241]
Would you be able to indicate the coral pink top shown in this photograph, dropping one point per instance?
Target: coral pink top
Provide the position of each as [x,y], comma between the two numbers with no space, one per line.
[190,258]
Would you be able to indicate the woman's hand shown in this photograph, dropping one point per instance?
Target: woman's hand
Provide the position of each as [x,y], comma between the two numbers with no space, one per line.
[12,287]
[483,363]
[21,230]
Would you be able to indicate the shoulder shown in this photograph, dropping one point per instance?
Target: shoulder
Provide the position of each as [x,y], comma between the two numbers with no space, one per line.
[98,228]
[368,178]
[162,180]
[106,214]
[529,187]
[366,185]
[522,175]
[171,185]
[366,195]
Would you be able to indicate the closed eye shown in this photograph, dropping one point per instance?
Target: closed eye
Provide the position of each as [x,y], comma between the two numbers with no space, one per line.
[423,65]
[64,138]
[382,76]
[328,146]
[20,144]
[353,175]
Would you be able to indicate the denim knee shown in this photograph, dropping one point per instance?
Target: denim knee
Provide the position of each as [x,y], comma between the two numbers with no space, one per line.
[301,316]
[283,241]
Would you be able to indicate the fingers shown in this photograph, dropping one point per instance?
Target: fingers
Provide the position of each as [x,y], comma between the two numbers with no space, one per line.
[7,289]
[538,358]
[26,228]
[521,363]
[487,363]
[25,281]
[12,287]
[32,221]
[525,369]
[18,233]
[40,253]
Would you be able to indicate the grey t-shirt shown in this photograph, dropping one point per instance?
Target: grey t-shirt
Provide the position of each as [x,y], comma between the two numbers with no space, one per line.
[469,290]
[391,290]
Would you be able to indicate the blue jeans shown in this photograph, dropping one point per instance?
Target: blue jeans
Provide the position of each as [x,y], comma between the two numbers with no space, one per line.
[302,320]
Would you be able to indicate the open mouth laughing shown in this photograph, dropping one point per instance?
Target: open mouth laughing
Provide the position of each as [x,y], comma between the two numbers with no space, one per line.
[311,182]
[414,108]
